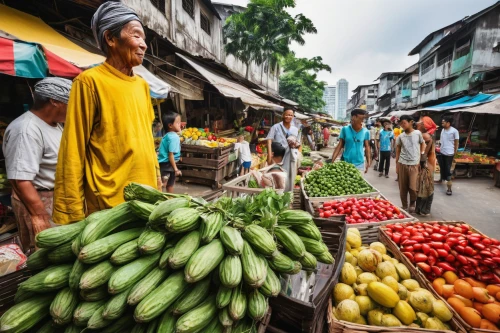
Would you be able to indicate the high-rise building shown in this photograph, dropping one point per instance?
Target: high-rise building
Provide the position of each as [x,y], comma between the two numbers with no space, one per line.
[341,99]
[329,98]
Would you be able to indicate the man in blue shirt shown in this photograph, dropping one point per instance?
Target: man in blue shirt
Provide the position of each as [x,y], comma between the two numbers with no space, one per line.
[353,138]
[385,144]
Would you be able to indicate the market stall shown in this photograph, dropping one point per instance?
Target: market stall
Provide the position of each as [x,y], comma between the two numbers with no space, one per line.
[109,273]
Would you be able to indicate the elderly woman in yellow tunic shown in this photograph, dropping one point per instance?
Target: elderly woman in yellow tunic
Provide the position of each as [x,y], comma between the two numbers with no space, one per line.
[107,141]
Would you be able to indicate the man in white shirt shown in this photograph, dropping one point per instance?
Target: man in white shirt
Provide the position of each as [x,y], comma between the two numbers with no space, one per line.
[449,146]
[31,146]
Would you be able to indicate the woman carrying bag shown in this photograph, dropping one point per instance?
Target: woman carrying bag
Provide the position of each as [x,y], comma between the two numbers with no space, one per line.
[286,134]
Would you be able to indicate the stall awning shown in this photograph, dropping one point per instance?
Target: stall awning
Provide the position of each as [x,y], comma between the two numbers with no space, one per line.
[32,29]
[486,108]
[30,60]
[463,102]
[34,50]
[230,88]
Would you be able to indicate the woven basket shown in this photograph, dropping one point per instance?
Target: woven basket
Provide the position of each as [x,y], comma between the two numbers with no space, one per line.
[368,231]
[293,315]
[414,270]
[339,326]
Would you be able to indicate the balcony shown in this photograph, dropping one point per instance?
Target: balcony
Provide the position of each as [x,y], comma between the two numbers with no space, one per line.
[443,69]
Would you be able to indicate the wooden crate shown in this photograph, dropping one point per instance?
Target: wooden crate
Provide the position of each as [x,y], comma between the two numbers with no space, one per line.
[428,284]
[239,186]
[368,231]
[209,153]
[293,315]
[340,326]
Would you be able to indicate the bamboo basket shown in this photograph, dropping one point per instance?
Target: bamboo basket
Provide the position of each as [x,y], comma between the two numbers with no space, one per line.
[368,231]
[393,246]
[323,199]
[339,326]
[293,315]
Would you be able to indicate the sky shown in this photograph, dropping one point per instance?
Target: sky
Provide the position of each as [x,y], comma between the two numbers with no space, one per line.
[360,39]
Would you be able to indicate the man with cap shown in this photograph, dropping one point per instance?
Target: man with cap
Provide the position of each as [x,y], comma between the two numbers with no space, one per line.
[31,146]
[107,141]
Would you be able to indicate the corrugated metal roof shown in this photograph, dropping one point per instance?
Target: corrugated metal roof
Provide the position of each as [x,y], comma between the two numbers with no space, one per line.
[230,88]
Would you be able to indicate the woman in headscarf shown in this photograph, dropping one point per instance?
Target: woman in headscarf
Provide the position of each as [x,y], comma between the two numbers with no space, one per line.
[107,141]
[425,192]
[286,135]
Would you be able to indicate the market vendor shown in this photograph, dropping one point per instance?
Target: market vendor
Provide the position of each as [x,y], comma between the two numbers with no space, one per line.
[107,141]
[30,147]
[285,134]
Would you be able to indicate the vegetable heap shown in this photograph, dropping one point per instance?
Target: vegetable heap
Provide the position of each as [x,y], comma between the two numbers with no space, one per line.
[362,210]
[336,179]
[162,263]
[476,302]
[437,248]
[376,289]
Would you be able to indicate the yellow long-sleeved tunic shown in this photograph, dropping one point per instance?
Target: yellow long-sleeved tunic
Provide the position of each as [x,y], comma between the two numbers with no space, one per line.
[106,143]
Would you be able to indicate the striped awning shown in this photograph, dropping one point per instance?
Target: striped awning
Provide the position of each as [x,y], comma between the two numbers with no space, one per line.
[31,60]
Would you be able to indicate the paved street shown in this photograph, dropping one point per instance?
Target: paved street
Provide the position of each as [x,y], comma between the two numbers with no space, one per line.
[475,201]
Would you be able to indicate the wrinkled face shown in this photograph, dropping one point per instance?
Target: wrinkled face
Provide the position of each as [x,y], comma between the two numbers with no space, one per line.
[130,47]
[288,116]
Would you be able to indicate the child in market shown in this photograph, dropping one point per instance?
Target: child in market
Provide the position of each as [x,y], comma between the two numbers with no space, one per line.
[245,155]
[170,150]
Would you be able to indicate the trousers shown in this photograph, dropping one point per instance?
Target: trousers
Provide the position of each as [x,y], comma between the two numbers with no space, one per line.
[445,163]
[408,180]
[385,159]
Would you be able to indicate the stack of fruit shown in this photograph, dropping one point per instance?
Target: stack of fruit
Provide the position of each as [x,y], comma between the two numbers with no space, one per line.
[376,289]
[477,303]
[363,210]
[440,247]
[336,179]
[162,263]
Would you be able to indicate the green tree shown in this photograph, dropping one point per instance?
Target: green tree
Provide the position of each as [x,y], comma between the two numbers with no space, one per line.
[264,31]
[300,83]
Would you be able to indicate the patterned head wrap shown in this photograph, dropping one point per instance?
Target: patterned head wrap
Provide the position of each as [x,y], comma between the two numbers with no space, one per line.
[429,125]
[110,15]
[56,88]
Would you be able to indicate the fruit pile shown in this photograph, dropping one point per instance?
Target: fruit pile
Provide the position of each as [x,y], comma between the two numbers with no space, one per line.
[378,290]
[437,248]
[336,179]
[167,263]
[361,210]
[477,303]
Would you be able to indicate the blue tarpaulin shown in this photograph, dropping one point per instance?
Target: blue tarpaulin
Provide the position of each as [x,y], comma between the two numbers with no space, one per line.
[463,102]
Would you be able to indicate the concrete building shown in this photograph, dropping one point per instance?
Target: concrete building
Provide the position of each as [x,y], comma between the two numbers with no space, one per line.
[329,95]
[365,97]
[341,98]
[461,58]
[385,92]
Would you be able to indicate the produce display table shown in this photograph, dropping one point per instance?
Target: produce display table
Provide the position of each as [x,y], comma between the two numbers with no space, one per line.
[340,326]
[422,276]
[205,165]
[469,170]
[369,231]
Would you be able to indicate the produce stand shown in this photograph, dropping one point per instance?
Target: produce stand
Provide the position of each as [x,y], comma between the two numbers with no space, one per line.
[339,326]
[205,165]
[293,315]
[471,169]
[368,231]
[423,279]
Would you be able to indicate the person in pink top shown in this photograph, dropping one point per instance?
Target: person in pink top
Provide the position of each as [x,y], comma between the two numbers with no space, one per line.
[326,135]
